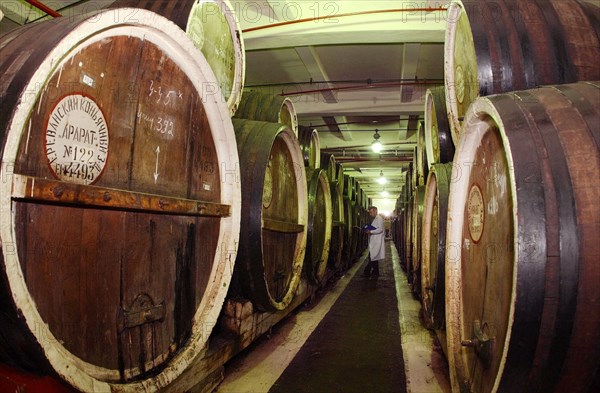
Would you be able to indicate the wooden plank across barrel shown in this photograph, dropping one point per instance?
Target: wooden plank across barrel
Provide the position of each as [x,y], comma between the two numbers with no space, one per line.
[213,28]
[274,213]
[438,138]
[433,245]
[311,147]
[320,223]
[120,200]
[500,46]
[265,106]
[522,245]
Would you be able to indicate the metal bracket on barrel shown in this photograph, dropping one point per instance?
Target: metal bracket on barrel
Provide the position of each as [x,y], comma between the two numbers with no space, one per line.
[481,343]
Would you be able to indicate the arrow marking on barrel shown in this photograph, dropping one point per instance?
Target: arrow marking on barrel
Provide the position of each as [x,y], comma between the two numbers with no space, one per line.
[156,167]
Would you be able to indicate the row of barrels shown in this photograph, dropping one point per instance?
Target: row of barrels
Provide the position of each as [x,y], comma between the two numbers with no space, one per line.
[498,227]
[142,186]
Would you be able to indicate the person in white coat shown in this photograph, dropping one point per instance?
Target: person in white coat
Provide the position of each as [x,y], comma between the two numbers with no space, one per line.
[376,243]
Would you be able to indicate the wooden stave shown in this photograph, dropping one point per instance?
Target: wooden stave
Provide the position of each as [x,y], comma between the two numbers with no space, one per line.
[540,43]
[318,242]
[253,163]
[60,38]
[438,139]
[532,358]
[186,14]
[437,192]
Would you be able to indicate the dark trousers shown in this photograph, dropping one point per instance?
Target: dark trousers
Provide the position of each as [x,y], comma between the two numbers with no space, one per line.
[372,268]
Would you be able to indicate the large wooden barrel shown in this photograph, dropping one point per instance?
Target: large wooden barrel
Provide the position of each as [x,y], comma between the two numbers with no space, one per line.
[120,207]
[320,222]
[340,177]
[522,267]
[416,231]
[274,213]
[349,191]
[422,162]
[408,238]
[360,237]
[433,245]
[438,139]
[273,108]
[335,170]
[495,47]
[310,145]
[214,30]
[338,229]
[357,193]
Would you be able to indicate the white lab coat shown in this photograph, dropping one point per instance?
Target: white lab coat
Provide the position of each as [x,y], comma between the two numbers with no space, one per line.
[377,239]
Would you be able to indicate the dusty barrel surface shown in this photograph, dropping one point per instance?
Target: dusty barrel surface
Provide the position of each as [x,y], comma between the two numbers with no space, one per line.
[507,45]
[116,223]
[274,213]
[273,108]
[215,31]
[522,244]
[433,244]
[320,222]
[310,145]
[438,139]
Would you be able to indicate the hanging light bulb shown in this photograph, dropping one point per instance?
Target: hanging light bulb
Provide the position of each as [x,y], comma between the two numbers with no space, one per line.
[384,193]
[381,180]
[376,145]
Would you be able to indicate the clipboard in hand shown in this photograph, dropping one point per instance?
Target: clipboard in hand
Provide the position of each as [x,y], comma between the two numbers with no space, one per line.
[369,227]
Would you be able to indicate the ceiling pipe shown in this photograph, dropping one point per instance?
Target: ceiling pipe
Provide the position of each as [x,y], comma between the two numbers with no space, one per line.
[59,10]
[363,86]
[335,16]
[44,8]
[365,130]
[368,81]
[352,159]
[366,146]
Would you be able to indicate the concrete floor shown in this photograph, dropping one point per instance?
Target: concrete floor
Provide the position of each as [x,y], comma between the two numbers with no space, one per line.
[308,351]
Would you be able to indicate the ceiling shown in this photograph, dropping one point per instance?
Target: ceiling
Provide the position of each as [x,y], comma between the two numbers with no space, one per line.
[349,67]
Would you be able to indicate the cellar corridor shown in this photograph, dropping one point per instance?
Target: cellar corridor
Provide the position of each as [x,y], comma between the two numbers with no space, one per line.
[363,335]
